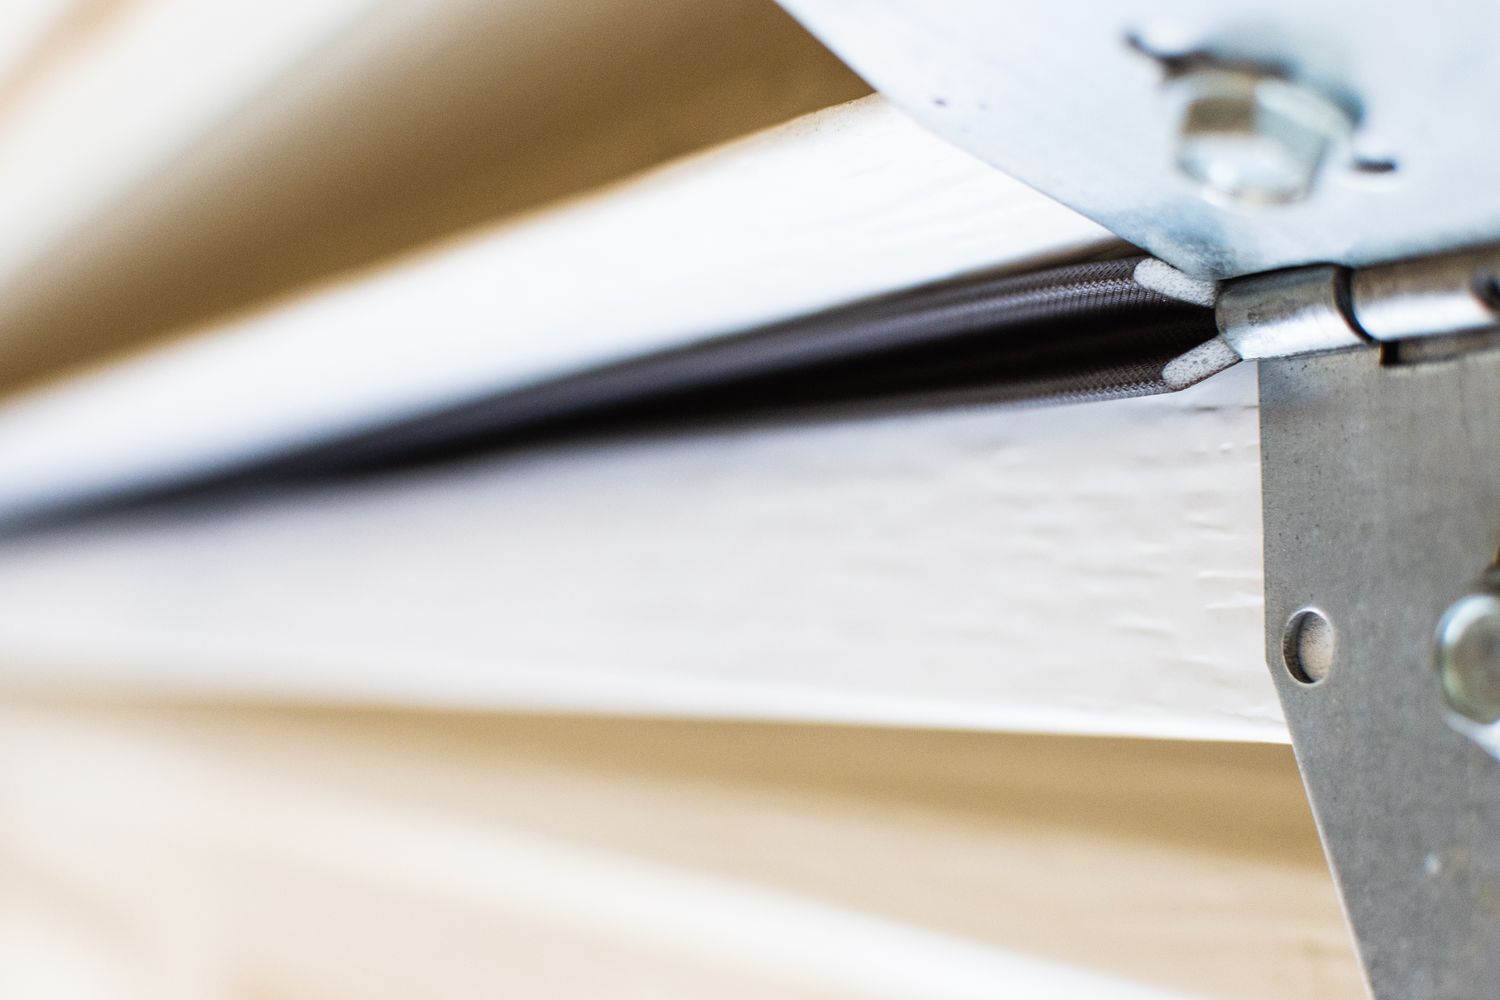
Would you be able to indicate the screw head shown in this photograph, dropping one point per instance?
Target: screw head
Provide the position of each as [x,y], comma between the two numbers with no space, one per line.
[1467,657]
[1254,139]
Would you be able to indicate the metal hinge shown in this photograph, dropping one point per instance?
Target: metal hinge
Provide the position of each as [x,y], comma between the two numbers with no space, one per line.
[1401,307]
[1382,522]
[1240,138]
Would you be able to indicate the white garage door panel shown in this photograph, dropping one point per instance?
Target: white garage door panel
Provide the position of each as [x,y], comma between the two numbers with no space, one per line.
[1090,569]
[834,207]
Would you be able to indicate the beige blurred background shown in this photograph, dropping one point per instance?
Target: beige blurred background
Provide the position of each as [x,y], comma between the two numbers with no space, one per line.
[214,852]
[401,124]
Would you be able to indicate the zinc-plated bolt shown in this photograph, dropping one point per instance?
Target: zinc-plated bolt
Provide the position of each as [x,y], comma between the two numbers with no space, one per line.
[1467,656]
[1252,138]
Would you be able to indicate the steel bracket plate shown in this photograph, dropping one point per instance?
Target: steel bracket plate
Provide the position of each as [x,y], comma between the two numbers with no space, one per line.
[1382,507]
[1087,101]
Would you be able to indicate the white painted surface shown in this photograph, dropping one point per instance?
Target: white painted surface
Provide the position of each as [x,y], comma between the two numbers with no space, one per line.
[1081,569]
[838,205]
[1090,570]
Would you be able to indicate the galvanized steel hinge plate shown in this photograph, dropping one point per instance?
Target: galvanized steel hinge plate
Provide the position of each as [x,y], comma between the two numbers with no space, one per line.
[1382,521]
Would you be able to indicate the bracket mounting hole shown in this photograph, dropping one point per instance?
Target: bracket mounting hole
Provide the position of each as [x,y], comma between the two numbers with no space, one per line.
[1307,646]
[1374,165]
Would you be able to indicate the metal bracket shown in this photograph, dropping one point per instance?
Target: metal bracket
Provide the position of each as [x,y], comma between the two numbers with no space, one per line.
[1225,138]
[1382,509]
[1297,150]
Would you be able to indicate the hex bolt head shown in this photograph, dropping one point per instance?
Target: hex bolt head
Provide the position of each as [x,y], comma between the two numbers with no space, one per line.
[1254,139]
[1467,657]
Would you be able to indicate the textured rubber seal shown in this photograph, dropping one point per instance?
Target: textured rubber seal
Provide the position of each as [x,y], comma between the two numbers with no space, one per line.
[1083,332]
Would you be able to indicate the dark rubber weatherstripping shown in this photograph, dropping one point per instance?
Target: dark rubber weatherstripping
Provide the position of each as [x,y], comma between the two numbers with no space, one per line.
[1082,332]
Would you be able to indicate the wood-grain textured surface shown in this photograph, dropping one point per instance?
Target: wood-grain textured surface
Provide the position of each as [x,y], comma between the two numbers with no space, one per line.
[1091,568]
